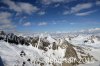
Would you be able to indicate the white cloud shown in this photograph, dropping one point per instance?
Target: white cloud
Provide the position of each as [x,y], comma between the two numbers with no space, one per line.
[27,8]
[41,13]
[97,2]
[80,7]
[47,2]
[5,20]
[57,5]
[7,26]
[58,0]
[27,24]
[42,23]
[94,29]
[85,13]
[91,30]
[5,17]
[21,7]
[66,12]
[59,21]
[72,23]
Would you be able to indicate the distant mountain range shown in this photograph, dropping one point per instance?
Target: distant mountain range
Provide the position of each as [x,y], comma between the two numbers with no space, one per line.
[21,50]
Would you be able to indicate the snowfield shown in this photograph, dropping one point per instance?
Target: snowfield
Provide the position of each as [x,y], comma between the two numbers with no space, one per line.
[23,55]
[10,54]
[94,48]
[96,54]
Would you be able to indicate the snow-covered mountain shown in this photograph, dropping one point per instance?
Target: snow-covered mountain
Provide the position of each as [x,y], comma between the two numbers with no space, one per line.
[49,49]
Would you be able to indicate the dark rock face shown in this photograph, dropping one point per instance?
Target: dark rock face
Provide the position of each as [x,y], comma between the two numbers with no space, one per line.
[43,48]
[34,41]
[28,60]
[1,62]
[22,53]
[70,51]
[92,41]
[85,41]
[2,35]
[54,46]
[23,40]
[43,45]
[23,64]
[13,39]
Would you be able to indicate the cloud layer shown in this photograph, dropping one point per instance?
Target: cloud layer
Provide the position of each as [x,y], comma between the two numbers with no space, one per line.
[80,7]
[5,20]
[21,7]
[42,23]
[27,24]
[45,13]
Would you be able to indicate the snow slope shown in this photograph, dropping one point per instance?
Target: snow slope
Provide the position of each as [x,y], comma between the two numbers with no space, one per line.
[11,55]
[96,54]
[80,40]
[22,55]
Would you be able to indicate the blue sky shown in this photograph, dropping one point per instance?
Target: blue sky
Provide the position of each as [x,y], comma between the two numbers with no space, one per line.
[49,15]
